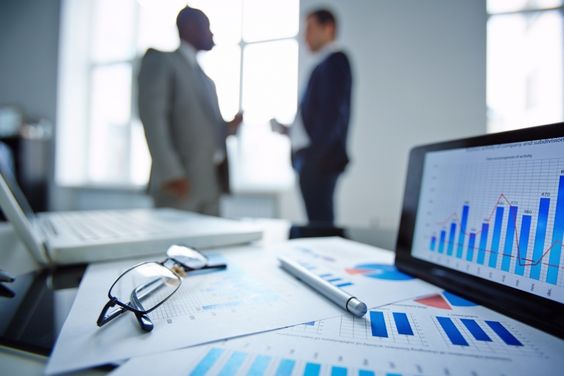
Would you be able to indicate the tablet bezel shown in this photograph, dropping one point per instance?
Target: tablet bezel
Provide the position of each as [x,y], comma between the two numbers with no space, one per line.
[535,310]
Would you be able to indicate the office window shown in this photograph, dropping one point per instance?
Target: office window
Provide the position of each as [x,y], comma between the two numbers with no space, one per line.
[254,65]
[525,83]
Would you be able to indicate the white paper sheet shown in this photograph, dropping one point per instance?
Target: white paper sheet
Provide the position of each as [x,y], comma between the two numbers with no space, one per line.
[253,295]
[349,346]
[363,271]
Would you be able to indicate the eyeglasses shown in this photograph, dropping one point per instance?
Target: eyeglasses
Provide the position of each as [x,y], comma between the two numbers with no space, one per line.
[145,286]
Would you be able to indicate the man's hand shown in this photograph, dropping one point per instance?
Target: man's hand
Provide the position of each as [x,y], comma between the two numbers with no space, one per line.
[179,188]
[278,127]
[233,125]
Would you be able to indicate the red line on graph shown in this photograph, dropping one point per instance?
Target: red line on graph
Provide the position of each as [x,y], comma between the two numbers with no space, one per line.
[522,260]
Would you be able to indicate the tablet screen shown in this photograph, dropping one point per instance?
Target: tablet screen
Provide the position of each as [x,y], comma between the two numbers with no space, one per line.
[496,212]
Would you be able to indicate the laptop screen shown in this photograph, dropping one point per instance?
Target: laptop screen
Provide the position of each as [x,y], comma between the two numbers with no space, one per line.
[496,212]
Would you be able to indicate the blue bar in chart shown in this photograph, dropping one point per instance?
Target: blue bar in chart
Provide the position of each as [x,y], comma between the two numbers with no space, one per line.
[233,364]
[503,333]
[452,331]
[451,236]
[402,323]
[509,238]
[540,235]
[475,329]
[378,324]
[338,371]
[337,281]
[207,362]
[259,366]
[334,279]
[365,373]
[463,223]
[344,284]
[285,367]
[312,369]
[471,244]
[523,245]
[496,236]
[433,242]
[483,243]
[557,236]
[442,241]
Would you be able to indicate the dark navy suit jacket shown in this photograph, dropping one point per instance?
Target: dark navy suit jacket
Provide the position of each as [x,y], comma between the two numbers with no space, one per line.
[325,109]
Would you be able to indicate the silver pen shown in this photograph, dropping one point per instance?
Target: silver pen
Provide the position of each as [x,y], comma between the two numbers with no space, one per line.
[335,294]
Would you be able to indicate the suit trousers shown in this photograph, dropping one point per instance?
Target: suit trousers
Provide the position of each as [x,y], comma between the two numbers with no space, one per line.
[318,189]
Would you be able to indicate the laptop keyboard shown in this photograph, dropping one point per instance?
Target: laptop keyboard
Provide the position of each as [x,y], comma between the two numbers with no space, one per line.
[108,225]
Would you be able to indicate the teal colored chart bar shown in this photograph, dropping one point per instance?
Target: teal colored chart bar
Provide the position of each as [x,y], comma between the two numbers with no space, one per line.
[207,362]
[366,373]
[523,245]
[259,366]
[471,244]
[463,223]
[285,367]
[483,243]
[433,242]
[312,369]
[540,238]
[442,241]
[338,371]
[557,236]
[233,364]
[451,237]
[509,238]
[496,236]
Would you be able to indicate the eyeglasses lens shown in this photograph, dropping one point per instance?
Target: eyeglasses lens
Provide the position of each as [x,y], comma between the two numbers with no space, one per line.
[187,256]
[145,286]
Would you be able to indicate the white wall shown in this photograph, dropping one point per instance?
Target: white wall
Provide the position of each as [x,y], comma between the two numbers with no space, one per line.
[419,76]
[29,38]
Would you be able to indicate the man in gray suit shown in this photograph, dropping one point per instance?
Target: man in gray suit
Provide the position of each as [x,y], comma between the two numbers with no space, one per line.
[185,132]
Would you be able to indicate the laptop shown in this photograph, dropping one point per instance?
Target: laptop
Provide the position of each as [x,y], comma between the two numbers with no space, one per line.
[484,217]
[91,236]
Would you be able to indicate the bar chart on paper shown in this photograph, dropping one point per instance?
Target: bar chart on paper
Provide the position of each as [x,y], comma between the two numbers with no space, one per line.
[497,214]
[407,338]
[221,361]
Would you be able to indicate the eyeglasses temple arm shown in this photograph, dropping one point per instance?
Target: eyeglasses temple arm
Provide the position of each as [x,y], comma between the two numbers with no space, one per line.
[144,320]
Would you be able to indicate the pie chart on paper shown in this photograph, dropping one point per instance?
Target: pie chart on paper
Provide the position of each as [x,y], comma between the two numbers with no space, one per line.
[446,300]
[379,271]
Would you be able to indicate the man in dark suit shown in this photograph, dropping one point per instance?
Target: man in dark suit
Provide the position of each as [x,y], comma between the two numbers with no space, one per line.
[319,134]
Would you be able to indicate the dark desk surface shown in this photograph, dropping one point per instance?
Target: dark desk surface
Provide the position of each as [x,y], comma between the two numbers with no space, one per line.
[32,320]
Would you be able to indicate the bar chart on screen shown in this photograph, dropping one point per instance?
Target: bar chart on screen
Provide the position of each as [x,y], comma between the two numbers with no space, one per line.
[497,214]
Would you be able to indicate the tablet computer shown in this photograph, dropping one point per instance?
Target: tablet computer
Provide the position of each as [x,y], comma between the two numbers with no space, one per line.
[484,217]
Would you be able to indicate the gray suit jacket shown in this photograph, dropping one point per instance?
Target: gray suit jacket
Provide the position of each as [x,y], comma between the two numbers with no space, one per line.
[183,125]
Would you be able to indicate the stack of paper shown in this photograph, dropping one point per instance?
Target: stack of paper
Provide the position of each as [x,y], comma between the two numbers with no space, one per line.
[436,334]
